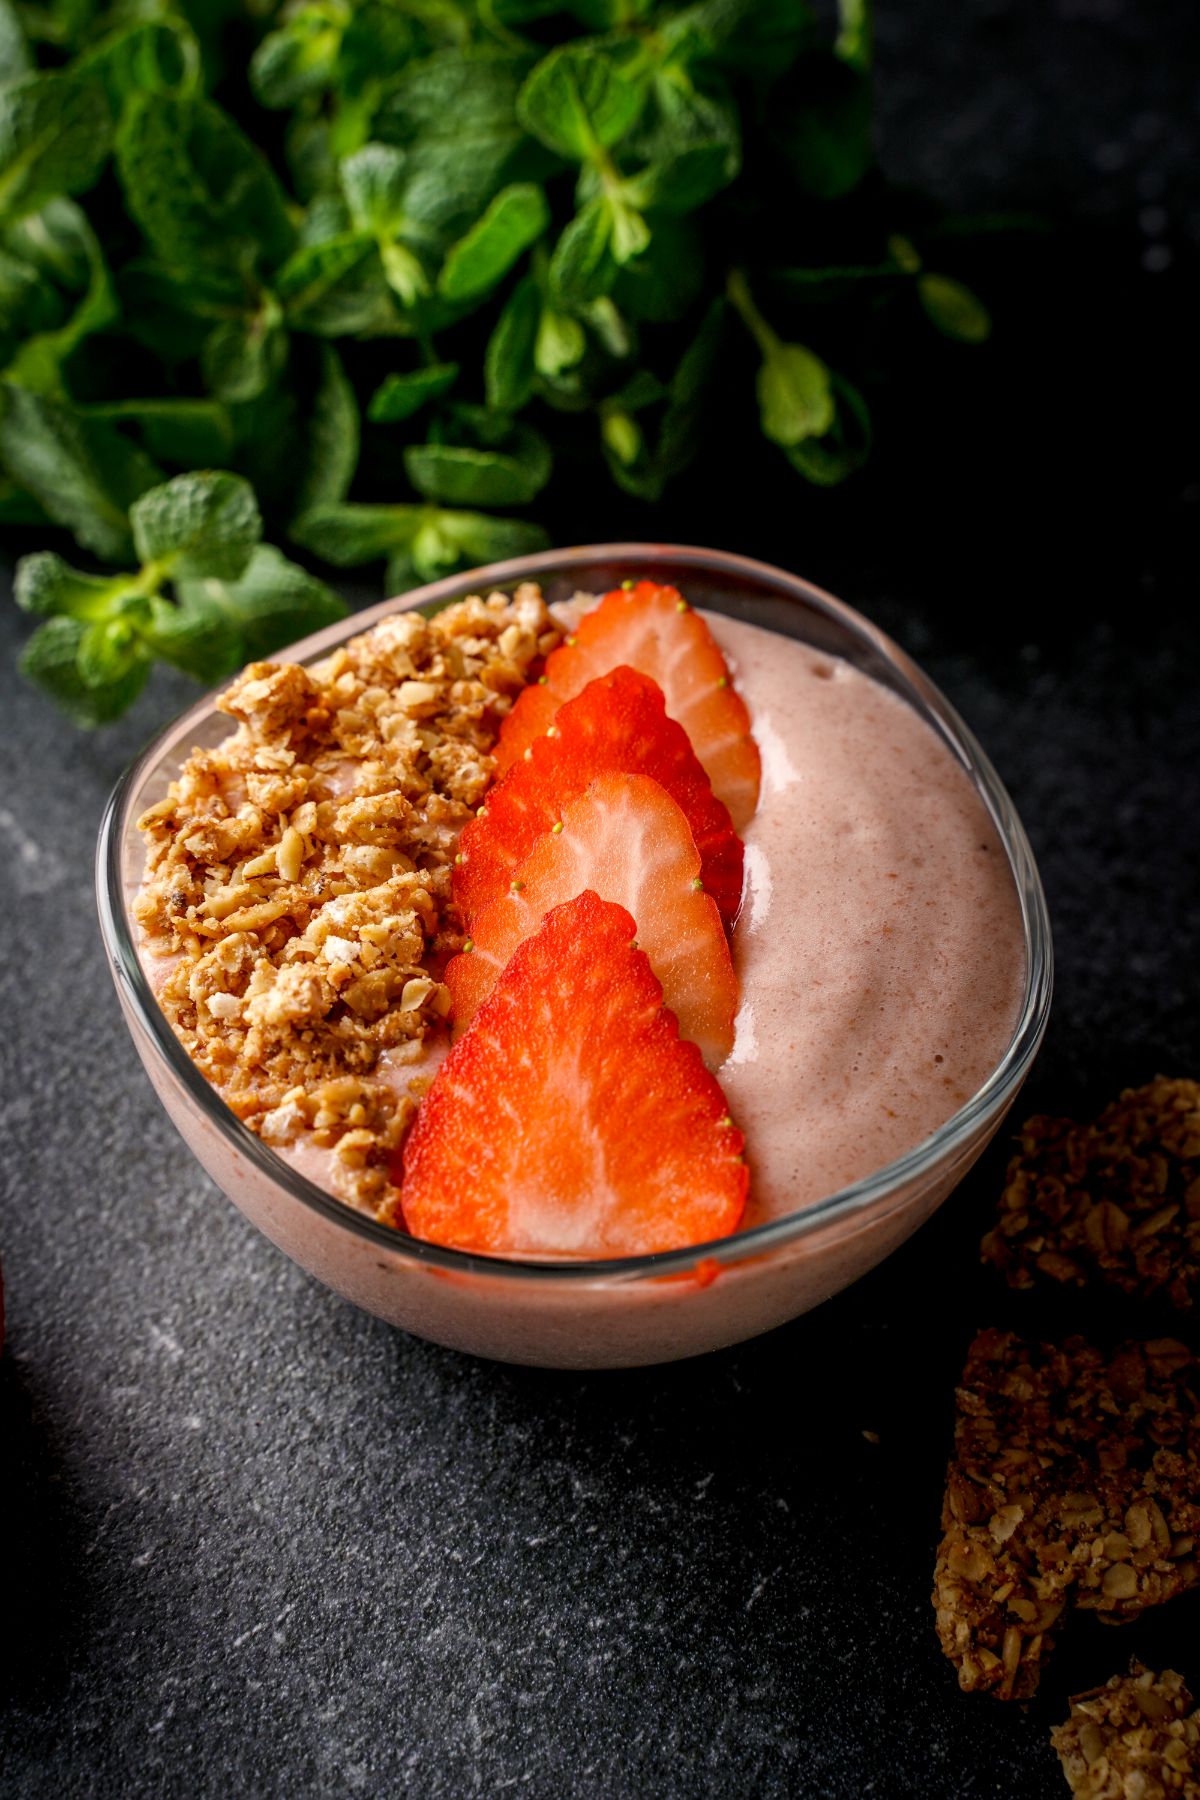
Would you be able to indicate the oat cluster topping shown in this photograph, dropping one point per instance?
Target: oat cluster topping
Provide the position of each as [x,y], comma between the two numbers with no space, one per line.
[1136,1738]
[296,908]
[1116,1200]
[1075,1480]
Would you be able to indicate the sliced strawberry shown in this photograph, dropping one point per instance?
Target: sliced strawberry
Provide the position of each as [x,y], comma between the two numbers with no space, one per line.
[652,629]
[572,1119]
[618,722]
[625,839]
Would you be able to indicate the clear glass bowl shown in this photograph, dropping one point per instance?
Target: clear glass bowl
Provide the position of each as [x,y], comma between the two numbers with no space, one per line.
[586,1314]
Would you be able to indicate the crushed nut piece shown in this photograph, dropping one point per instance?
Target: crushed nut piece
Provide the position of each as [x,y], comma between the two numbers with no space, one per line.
[1075,1480]
[1116,1200]
[296,910]
[1135,1738]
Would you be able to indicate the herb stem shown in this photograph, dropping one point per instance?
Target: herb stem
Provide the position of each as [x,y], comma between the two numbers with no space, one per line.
[742,301]
[854,39]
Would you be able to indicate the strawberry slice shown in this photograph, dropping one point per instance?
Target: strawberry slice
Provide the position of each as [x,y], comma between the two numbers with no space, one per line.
[626,840]
[618,722]
[653,629]
[572,1119]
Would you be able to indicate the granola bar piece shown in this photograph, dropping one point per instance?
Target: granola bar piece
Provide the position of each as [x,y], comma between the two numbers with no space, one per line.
[296,908]
[1135,1738]
[1075,1480]
[1115,1200]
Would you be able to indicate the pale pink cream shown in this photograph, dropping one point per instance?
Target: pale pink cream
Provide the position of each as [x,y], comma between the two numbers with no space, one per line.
[879,947]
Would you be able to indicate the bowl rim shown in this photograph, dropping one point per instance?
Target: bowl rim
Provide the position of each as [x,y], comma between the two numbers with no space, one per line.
[989,1101]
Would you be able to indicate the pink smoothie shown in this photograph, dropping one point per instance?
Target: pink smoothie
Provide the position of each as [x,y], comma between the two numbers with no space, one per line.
[879,946]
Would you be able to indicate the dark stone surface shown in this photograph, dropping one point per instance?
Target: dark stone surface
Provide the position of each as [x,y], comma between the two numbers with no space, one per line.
[257,1543]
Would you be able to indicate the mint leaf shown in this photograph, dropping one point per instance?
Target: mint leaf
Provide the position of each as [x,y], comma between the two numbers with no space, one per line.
[445,541]
[242,357]
[195,633]
[347,535]
[55,136]
[514,220]
[682,182]
[51,660]
[506,465]
[584,97]
[108,651]
[273,602]
[85,474]
[508,363]
[795,397]
[954,309]
[828,460]
[298,60]
[373,181]
[15,59]
[332,437]
[198,525]
[45,584]
[160,56]
[398,397]
[188,432]
[560,343]
[583,266]
[203,195]
[38,364]
[338,289]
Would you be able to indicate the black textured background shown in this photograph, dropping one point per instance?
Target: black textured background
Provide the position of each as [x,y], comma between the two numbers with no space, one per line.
[256,1543]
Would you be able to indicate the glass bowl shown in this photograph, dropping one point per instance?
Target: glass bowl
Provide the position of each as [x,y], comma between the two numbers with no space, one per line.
[586,1314]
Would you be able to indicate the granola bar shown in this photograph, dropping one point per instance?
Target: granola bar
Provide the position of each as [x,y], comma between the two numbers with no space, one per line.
[296,910]
[1135,1738]
[1115,1200]
[1075,1480]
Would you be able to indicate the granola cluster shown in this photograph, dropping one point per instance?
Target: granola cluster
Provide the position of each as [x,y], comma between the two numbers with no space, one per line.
[1135,1738]
[1075,1480]
[1116,1200]
[296,908]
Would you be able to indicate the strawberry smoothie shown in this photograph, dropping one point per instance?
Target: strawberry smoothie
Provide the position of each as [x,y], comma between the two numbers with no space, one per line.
[879,945]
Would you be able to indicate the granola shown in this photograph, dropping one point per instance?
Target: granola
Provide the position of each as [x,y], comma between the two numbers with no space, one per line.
[1135,1738]
[296,911]
[1075,1480]
[1115,1200]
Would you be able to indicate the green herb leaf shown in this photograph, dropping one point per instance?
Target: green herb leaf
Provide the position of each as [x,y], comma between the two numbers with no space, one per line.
[109,651]
[273,603]
[514,220]
[199,525]
[445,541]
[684,181]
[202,194]
[506,464]
[297,60]
[828,460]
[373,181]
[85,474]
[45,584]
[55,136]
[332,438]
[583,266]
[347,535]
[187,432]
[195,632]
[15,59]
[160,56]
[585,96]
[242,357]
[508,364]
[954,309]
[795,398]
[63,232]
[398,397]
[338,289]
[51,660]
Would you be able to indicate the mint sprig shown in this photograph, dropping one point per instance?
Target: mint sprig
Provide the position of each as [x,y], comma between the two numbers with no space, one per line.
[370,271]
